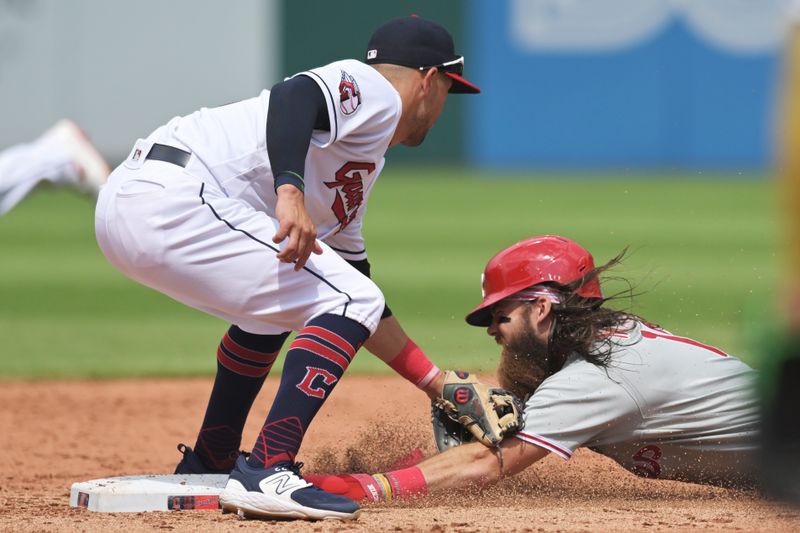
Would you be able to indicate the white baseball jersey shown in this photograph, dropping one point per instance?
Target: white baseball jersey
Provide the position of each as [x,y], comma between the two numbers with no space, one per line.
[341,166]
[203,234]
[665,407]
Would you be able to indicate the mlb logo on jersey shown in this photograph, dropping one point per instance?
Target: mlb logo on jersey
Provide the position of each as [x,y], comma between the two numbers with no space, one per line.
[349,95]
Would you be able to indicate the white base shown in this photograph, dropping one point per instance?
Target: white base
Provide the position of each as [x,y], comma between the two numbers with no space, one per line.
[135,494]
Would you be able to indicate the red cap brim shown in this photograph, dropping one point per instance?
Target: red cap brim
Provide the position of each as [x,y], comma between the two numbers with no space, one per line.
[481,316]
[460,85]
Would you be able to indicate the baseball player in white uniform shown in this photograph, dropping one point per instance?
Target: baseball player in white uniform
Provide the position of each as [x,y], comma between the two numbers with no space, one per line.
[661,405]
[62,155]
[253,212]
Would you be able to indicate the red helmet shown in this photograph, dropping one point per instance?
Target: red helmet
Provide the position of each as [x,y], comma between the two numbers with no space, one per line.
[530,262]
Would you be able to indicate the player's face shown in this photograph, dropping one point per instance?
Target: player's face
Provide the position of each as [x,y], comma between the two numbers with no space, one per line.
[523,360]
[430,107]
[512,319]
[509,320]
[439,96]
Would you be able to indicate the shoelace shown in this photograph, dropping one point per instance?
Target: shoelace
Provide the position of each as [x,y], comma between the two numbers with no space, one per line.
[295,467]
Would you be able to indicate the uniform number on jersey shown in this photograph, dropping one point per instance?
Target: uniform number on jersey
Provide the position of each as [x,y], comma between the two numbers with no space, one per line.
[661,334]
[646,460]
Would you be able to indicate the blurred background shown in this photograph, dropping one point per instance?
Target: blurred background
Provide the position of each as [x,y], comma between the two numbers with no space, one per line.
[642,123]
[577,84]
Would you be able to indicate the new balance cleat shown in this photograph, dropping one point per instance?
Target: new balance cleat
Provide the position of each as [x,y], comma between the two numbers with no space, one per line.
[281,492]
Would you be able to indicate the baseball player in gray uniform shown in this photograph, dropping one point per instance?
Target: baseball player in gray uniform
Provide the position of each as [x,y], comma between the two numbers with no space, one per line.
[661,405]
[253,212]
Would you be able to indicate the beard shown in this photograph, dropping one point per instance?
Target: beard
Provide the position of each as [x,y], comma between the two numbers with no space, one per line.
[523,364]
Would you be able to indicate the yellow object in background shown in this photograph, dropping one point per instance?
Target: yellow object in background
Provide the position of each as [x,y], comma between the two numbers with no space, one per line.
[780,374]
[789,169]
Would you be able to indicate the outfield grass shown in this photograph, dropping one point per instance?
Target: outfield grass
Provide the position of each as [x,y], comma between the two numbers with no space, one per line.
[703,250]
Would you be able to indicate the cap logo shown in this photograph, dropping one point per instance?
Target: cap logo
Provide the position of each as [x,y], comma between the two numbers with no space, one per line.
[372,54]
[349,95]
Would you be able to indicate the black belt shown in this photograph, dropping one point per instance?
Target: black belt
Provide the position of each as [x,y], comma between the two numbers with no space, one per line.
[169,154]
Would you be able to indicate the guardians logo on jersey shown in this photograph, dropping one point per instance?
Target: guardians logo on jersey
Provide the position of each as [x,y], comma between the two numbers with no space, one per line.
[349,185]
[349,95]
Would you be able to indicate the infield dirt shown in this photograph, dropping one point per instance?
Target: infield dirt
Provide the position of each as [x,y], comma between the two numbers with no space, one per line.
[56,433]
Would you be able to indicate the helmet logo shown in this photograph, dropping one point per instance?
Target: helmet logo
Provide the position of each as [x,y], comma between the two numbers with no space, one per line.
[483,285]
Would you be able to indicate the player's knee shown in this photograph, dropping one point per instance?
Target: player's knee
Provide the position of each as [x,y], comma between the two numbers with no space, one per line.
[368,303]
[375,300]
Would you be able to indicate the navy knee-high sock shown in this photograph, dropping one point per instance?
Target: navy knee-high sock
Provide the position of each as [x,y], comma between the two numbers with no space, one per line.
[243,362]
[314,363]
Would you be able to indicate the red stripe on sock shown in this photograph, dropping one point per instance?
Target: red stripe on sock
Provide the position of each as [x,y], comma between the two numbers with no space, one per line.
[245,353]
[322,351]
[240,368]
[331,337]
[274,452]
[283,435]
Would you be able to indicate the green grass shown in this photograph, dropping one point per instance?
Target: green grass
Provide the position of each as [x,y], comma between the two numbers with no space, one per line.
[704,253]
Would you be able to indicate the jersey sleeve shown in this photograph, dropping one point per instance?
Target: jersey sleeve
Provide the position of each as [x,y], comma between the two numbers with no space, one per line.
[363,108]
[575,406]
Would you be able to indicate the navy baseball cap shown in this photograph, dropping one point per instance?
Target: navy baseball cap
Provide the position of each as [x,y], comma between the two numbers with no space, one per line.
[422,44]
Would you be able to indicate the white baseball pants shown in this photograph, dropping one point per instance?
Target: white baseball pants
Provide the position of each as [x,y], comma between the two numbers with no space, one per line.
[172,232]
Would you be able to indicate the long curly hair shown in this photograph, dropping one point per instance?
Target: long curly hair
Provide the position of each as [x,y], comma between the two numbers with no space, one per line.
[582,325]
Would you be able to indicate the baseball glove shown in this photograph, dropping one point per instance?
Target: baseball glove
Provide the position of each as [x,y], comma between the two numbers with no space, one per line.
[470,410]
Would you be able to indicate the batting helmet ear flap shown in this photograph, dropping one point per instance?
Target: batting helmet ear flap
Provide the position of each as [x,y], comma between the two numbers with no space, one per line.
[542,259]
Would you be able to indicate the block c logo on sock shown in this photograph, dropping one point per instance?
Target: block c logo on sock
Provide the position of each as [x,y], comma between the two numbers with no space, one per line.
[307,385]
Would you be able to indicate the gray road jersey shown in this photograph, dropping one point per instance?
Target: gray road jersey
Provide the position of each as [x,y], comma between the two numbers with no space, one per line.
[666,407]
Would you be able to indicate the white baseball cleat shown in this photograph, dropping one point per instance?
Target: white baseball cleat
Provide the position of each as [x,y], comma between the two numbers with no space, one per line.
[92,169]
[281,492]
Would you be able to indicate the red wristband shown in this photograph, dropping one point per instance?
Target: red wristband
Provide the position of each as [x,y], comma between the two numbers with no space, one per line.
[407,482]
[414,365]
